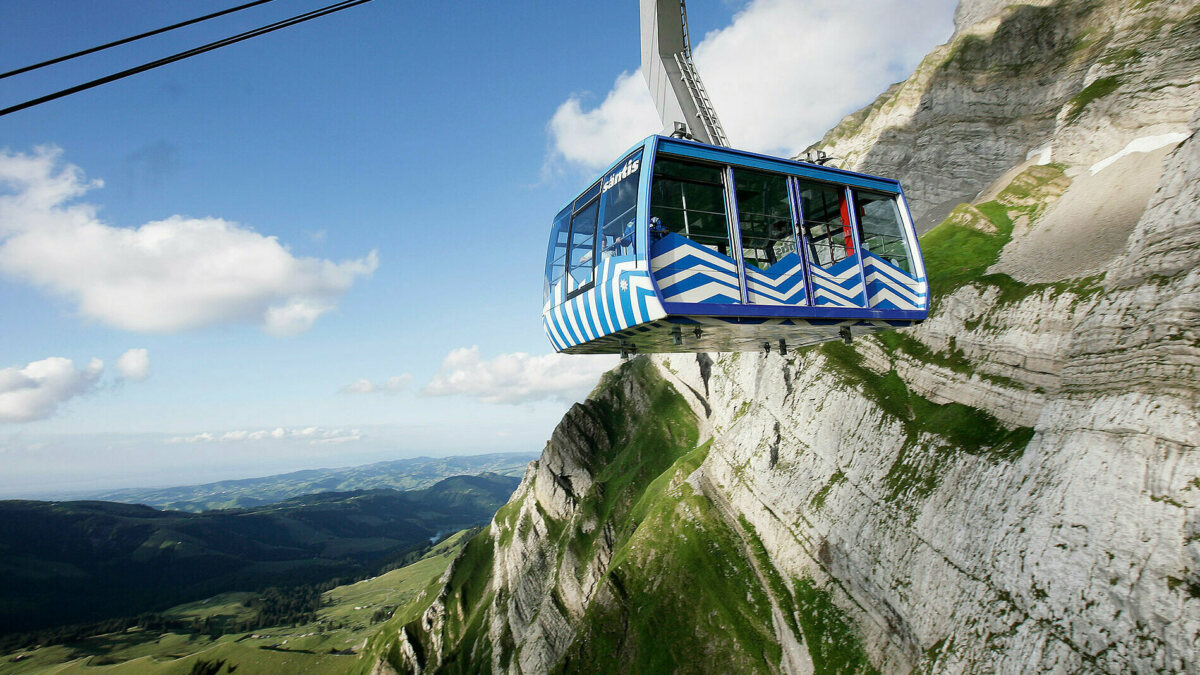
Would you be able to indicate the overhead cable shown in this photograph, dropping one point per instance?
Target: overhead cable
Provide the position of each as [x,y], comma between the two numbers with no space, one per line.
[316,13]
[117,43]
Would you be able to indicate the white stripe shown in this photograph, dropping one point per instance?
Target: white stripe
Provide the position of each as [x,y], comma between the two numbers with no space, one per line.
[592,296]
[680,252]
[844,276]
[701,293]
[887,270]
[854,291]
[898,288]
[548,325]
[581,321]
[569,320]
[833,299]
[684,275]
[887,294]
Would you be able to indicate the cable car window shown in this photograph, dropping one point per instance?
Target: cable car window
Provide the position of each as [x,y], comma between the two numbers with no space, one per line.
[881,228]
[764,216]
[556,257]
[619,199]
[581,256]
[689,199]
[825,215]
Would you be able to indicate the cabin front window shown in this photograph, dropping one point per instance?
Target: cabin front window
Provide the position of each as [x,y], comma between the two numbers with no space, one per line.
[881,229]
[619,205]
[582,248]
[556,257]
[689,199]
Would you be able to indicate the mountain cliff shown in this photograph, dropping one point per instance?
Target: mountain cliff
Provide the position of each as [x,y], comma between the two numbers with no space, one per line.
[1012,486]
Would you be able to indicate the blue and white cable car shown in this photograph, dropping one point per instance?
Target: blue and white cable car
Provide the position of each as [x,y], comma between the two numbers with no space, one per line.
[683,246]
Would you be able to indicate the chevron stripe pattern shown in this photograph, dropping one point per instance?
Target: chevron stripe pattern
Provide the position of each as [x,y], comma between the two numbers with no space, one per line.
[779,284]
[689,272]
[890,287]
[839,285]
[622,297]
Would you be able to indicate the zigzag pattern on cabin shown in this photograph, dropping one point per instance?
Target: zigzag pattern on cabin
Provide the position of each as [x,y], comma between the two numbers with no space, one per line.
[688,272]
[892,288]
[839,285]
[780,284]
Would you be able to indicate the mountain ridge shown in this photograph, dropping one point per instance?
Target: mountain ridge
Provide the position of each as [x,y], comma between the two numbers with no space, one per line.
[401,474]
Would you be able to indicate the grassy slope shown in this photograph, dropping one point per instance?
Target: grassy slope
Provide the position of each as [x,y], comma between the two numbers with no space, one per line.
[298,649]
[111,559]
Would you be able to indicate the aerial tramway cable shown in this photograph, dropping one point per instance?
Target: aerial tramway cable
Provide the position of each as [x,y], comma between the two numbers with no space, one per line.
[139,36]
[263,30]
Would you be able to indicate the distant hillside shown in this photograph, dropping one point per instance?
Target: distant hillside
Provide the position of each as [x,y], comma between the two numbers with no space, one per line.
[401,474]
[68,562]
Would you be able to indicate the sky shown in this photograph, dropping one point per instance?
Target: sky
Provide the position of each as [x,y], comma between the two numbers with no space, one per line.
[324,246]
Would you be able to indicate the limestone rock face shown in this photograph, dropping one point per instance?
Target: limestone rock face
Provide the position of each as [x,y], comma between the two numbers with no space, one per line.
[1077,80]
[1012,486]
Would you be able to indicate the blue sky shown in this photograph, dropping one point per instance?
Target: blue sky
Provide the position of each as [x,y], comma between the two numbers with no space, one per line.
[324,246]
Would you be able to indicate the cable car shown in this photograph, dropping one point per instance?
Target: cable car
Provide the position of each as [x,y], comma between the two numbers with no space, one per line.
[683,246]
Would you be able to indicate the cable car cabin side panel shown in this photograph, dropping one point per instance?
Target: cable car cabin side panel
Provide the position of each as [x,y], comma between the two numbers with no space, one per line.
[596,283]
[729,251]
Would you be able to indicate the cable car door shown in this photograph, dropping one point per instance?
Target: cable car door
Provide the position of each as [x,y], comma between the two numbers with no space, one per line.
[774,270]
[828,230]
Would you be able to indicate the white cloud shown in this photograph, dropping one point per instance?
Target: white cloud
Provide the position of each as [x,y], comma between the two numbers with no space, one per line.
[134,365]
[35,391]
[780,75]
[519,377]
[592,138]
[161,277]
[314,435]
[389,386]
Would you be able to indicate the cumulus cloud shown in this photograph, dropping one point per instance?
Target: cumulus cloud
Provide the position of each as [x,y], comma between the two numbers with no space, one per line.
[389,386]
[35,391]
[519,377]
[592,138]
[314,435]
[780,75]
[134,365]
[161,277]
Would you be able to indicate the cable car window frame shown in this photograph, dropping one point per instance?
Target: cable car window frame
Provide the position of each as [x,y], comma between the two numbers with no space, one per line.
[750,210]
[723,170]
[900,236]
[556,267]
[604,220]
[593,194]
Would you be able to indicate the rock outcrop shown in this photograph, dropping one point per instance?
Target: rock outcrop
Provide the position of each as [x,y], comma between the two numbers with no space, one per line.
[1013,486]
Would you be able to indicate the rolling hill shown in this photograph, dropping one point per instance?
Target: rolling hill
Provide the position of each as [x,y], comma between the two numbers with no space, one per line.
[400,474]
[67,562]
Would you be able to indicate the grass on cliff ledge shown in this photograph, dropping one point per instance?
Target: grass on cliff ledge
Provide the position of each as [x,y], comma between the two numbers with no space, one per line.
[920,462]
[680,596]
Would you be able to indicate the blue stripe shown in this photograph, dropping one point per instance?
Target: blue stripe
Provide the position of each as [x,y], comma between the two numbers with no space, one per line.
[614,319]
[554,339]
[642,294]
[627,308]
[562,309]
[792,311]
[586,307]
[695,281]
[579,319]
